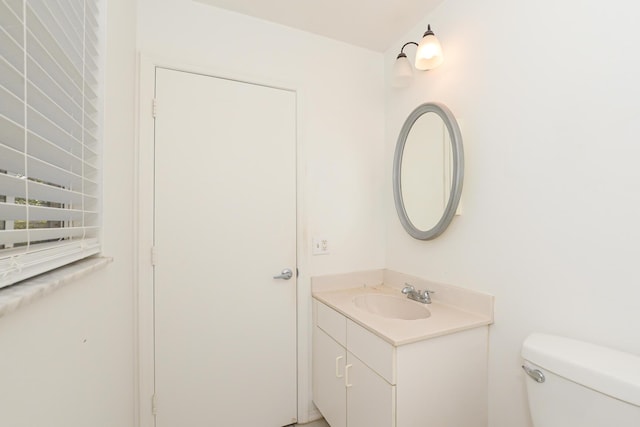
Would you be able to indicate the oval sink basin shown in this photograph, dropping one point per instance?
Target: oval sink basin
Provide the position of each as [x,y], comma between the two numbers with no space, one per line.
[391,306]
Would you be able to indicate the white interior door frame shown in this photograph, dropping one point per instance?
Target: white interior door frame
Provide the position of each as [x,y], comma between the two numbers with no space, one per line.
[144,229]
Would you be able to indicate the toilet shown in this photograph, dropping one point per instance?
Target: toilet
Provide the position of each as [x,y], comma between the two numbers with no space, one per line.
[576,384]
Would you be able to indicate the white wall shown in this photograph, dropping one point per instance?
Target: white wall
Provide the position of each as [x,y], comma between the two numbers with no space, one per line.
[67,360]
[548,96]
[340,127]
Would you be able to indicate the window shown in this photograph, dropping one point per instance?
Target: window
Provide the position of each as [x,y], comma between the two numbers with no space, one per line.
[49,135]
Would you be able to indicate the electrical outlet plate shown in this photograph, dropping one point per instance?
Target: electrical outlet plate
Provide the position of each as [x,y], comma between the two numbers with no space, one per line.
[320,246]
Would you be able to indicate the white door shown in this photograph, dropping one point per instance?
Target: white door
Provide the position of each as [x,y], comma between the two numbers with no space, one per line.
[225,224]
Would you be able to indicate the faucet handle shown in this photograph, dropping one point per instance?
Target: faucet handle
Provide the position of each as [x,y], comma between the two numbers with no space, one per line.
[426,295]
[408,288]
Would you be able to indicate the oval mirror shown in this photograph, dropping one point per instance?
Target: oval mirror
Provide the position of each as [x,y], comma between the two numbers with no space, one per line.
[428,170]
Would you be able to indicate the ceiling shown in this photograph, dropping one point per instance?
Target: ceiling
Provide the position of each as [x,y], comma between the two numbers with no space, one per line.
[372,24]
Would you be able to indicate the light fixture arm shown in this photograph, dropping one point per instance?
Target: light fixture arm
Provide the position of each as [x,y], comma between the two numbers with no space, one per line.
[402,54]
[407,44]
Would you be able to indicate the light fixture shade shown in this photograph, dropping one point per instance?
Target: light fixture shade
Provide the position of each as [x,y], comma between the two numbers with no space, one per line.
[402,71]
[429,52]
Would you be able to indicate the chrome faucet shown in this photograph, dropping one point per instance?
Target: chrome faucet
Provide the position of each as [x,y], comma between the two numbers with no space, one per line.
[417,295]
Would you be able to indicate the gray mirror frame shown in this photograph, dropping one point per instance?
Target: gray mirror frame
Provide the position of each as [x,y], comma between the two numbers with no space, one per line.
[457,176]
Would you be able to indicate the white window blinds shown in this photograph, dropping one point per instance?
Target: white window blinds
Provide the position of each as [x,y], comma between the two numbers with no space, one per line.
[49,135]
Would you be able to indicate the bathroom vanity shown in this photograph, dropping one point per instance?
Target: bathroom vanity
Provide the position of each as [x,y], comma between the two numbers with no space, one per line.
[375,366]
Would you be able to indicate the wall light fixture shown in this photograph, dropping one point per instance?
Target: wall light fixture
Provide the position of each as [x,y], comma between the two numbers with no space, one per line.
[428,57]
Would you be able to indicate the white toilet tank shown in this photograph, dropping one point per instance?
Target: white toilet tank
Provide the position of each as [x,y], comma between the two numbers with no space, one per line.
[584,385]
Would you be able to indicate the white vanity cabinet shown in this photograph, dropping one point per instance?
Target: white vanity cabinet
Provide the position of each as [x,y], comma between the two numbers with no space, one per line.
[361,380]
[347,391]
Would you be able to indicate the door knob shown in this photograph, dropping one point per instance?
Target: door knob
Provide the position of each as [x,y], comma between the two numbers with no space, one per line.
[285,275]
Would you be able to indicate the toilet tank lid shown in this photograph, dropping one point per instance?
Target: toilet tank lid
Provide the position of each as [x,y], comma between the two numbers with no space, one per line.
[608,371]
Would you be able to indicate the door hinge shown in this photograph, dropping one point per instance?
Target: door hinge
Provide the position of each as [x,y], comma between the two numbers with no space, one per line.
[154,405]
[154,108]
[154,255]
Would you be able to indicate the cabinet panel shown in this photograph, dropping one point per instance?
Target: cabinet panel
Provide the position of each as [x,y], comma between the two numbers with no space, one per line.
[378,354]
[371,401]
[329,392]
[332,322]
[442,375]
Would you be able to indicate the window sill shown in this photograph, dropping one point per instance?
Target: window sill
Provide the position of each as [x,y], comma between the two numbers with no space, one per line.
[27,291]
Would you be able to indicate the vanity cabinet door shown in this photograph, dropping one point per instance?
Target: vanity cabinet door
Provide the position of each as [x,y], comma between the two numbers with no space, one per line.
[329,392]
[371,401]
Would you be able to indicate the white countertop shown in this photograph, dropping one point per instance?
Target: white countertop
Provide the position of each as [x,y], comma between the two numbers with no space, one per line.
[445,318]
